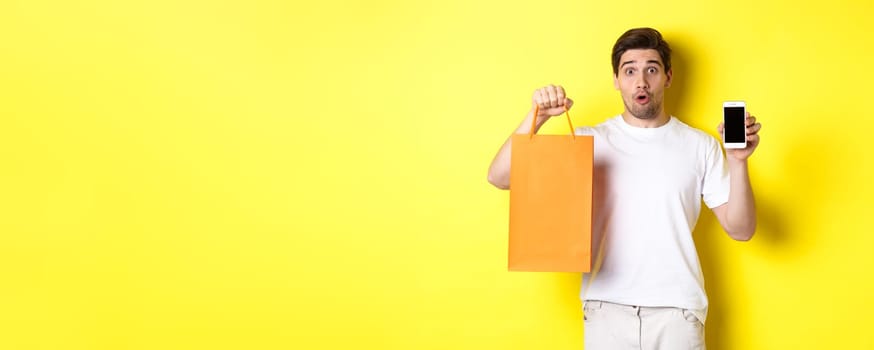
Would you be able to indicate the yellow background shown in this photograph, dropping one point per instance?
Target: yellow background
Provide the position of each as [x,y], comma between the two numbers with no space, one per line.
[289,175]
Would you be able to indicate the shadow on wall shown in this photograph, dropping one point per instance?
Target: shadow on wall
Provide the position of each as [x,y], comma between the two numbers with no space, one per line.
[773,227]
[773,237]
[720,277]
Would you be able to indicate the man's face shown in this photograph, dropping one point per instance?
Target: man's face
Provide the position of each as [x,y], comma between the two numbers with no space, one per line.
[642,81]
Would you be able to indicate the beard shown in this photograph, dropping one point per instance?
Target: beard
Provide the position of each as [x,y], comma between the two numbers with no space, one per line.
[649,111]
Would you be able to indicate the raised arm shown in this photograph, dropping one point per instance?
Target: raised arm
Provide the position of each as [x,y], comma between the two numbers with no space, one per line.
[552,102]
[738,216]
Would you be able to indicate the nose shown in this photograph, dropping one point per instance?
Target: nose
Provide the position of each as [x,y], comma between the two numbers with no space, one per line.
[641,82]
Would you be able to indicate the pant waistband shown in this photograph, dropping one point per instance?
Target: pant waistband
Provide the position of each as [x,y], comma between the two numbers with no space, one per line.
[630,309]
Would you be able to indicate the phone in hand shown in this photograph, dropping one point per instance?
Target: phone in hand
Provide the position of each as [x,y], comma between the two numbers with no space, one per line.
[734,134]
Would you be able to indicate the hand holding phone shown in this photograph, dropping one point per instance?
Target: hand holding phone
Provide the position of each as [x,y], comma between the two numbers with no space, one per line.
[734,134]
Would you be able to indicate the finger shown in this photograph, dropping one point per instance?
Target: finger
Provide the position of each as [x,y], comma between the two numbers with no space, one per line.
[568,103]
[720,128]
[535,103]
[553,98]
[538,98]
[753,139]
[747,114]
[560,96]
[754,129]
[750,120]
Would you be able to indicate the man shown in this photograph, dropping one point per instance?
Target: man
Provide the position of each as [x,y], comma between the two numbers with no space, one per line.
[651,172]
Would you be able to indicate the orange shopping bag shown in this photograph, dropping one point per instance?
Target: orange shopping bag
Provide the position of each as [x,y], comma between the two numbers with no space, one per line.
[551,202]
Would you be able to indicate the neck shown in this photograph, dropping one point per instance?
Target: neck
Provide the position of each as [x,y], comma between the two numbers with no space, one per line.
[661,119]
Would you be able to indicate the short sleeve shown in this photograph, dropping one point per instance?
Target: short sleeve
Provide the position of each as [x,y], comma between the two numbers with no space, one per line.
[716,184]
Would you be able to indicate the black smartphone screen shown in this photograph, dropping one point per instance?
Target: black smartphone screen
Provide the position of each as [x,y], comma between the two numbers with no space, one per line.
[735,132]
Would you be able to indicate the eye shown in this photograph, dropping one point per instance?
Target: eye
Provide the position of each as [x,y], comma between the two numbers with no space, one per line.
[652,70]
[629,71]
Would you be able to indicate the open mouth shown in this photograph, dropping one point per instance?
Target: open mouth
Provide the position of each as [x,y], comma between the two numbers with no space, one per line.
[641,98]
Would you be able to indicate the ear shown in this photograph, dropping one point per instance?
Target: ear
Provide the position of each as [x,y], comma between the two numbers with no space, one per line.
[670,75]
[616,81]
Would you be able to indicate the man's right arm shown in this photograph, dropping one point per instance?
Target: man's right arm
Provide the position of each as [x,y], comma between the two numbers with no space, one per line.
[549,101]
[499,171]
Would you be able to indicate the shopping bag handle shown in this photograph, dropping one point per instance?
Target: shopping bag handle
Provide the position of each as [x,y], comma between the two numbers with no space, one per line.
[534,121]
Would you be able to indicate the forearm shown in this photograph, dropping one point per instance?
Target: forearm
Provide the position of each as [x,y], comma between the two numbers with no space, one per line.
[499,170]
[741,208]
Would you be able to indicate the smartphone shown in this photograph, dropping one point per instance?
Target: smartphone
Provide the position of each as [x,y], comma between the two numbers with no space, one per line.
[734,116]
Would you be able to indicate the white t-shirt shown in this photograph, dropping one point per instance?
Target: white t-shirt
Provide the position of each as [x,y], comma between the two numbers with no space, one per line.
[648,186]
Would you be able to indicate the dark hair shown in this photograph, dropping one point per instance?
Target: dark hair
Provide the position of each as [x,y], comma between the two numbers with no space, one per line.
[641,38]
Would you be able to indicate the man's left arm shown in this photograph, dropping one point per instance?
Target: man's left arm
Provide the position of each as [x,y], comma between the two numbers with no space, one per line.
[738,215]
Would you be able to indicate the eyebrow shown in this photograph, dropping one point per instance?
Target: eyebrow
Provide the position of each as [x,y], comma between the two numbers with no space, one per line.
[650,61]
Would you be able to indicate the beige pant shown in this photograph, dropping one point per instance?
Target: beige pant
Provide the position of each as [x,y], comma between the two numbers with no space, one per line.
[616,326]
